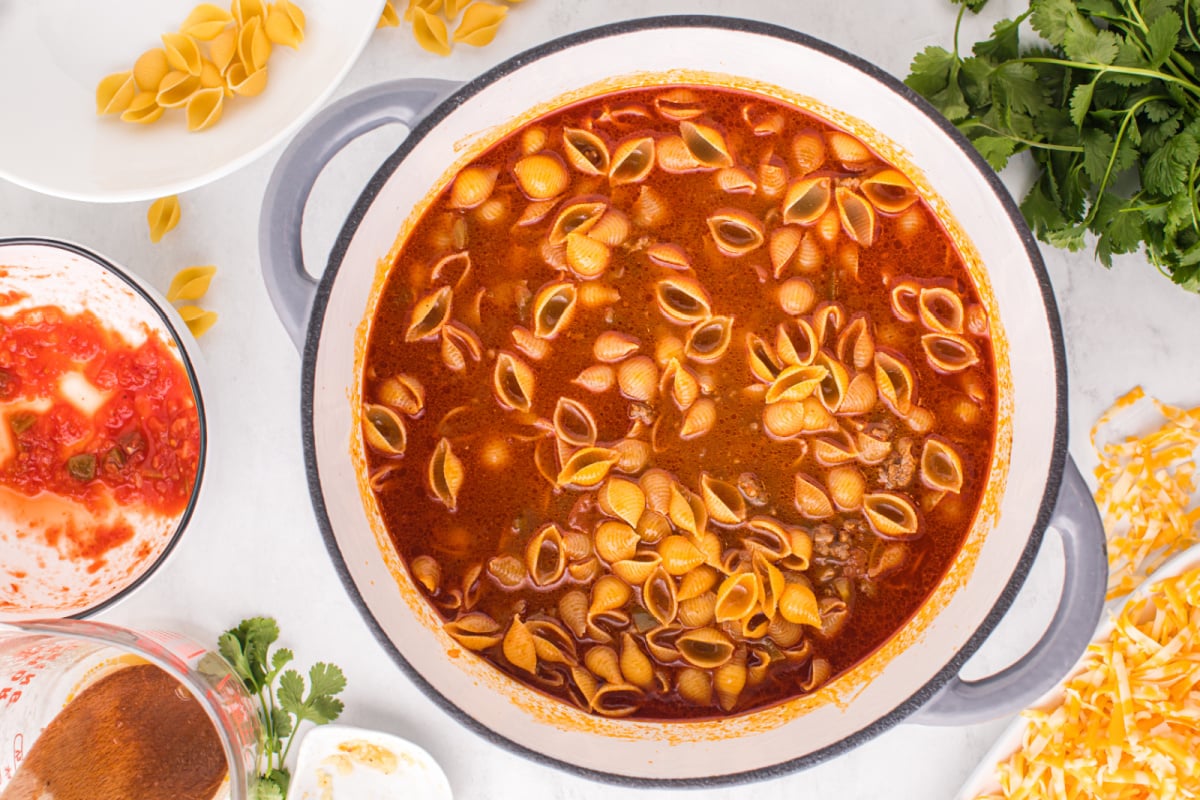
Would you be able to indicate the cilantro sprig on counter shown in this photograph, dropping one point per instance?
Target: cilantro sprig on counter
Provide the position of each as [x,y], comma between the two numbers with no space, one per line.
[282,709]
[1109,110]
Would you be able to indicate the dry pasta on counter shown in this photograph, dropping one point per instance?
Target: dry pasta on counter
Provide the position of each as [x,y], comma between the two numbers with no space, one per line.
[431,21]
[215,55]
[162,217]
[191,284]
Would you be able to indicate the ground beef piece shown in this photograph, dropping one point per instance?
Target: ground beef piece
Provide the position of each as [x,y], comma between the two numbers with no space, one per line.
[898,470]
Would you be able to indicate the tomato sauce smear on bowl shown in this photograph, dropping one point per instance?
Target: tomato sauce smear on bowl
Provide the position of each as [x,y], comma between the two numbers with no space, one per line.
[99,439]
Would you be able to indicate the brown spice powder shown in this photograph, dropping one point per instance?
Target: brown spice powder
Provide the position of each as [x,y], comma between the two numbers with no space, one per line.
[136,734]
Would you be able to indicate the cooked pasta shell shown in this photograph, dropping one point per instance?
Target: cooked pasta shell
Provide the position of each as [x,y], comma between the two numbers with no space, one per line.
[679,555]
[573,610]
[176,88]
[889,191]
[650,209]
[729,680]
[834,615]
[794,384]
[737,596]
[609,593]
[699,419]
[534,213]
[835,450]
[698,611]
[860,396]
[596,295]
[674,156]
[616,541]
[948,353]
[150,68]
[706,648]
[784,420]
[613,346]
[848,151]
[767,536]
[827,320]
[797,345]
[526,343]
[143,109]
[828,227]
[679,382]
[553,308]
[872,449]
[668,255]
[512,381]
[736,232]
[808,152]
[818,674]
[573,423]
[446,474]
[784,243]
[846,487]
[682,299]
[623,499]
[772,177]
[612,228]
[541,176]
[697,581]
[475,631]
[686,511]
[384,431]
[891,515]
[509,571]
[534,140]
[637,570]
[577,545]
[634,665]
[855,344]
[706,144]
[707,341]
[857,216]
[886,557]
[479,24]
[798,604]
[518,646]
[586,151]
[832,389]
[736,180]
[762,360]
[637,378]
[403,393]
[632,455]
[941,467]
[894,378]
[576,218]
[668,347]
[678,104]
[920,419]
[597,378]
[657,485]
[617,700]
[810,257]
[906,300]
[632,161]
[426,571]
[977,320]
[587,257]
[784,633]
[551,642]
[429,315]
[810,498]
[806,200]
[430,31]
[694,685]
[658,595]
[724,502]
[545,556]
[652,526]
[587,467]
[473,186]
[204,109]
[763,120]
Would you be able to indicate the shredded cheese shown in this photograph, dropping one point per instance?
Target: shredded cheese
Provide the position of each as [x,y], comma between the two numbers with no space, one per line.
[1146,487]
[1128,725]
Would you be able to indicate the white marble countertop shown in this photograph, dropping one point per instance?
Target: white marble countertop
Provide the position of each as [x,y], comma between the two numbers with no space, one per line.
[254,547]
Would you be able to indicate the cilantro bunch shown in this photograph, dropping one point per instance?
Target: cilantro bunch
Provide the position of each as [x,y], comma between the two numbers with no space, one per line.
[280,710]
[1109,110]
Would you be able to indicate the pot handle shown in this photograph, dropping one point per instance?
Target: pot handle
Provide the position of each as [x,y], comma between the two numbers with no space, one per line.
[1085,582]
[291,288]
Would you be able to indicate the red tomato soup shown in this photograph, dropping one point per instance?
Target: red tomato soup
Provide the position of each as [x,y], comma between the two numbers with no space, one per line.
[92,419]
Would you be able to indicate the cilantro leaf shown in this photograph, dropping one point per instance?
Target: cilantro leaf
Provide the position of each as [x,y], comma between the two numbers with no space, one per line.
[1166,170]
[1051,18]
[996,149]
[975,6]
[1081,102]
[1162,37]
[326,679]
[930,70]
[1083,42]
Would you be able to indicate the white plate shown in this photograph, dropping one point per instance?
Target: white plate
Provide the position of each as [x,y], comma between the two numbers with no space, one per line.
[322,770]
[984,779]
[52,55]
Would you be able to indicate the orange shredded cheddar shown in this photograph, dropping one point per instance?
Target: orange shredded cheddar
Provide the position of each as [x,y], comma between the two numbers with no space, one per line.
[1128,724]
[1146,487]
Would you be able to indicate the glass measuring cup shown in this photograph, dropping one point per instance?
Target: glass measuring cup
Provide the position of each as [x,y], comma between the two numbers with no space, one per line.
[45,665]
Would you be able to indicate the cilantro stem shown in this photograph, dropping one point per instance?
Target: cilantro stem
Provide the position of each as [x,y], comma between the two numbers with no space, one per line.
[1106,68]
[1187,22]
[1116,148]
[1066,148]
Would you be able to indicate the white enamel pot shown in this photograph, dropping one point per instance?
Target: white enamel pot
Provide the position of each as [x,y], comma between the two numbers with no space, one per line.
[1032,487]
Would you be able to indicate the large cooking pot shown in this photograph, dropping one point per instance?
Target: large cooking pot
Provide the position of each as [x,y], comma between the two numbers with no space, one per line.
[1032,483]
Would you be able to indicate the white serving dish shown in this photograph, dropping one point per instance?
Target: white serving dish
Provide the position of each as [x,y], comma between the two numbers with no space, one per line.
[321,766]
[54,54]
